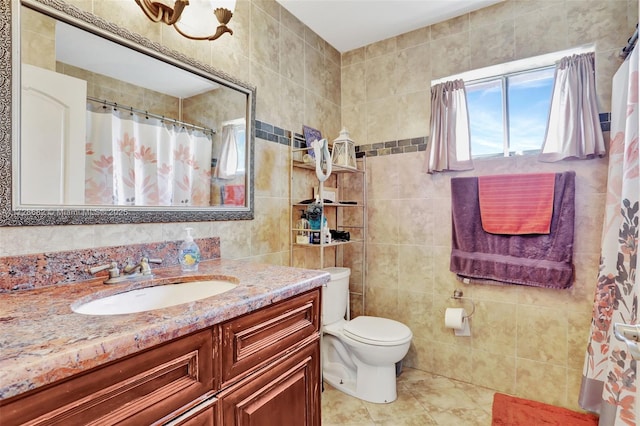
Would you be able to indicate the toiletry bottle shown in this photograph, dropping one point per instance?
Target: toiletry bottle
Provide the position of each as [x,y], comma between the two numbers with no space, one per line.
[303,236]
[326,234]
[189,253]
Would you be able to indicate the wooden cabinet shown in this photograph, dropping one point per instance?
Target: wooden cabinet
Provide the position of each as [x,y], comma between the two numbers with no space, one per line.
[254,340]
[204,414]
[281,395]
[137,390]
[270,356]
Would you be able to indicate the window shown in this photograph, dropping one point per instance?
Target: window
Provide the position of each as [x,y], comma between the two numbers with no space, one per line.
[509,103]
[508,113]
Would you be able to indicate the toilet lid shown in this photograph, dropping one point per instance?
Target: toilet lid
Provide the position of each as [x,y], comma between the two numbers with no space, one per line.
[377,331]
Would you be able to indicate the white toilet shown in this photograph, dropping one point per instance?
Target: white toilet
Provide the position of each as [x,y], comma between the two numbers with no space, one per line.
[359,356]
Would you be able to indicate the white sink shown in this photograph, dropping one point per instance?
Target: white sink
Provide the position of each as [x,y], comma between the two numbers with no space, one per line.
[150,298]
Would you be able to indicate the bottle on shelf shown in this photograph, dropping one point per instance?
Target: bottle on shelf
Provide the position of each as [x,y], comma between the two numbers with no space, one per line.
[303,237]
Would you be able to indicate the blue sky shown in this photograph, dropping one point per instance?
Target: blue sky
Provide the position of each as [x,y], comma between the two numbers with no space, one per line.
[529,98]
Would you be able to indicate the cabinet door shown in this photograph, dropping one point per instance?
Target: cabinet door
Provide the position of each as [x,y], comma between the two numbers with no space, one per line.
[284,394]
[203,414]
[138,390]
[252,341]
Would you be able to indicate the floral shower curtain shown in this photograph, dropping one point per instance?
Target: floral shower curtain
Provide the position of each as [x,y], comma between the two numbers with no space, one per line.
[609,372]
[134,160]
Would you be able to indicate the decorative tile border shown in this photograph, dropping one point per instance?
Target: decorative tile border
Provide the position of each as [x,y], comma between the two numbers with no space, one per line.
[33,271]
[394,147]
[276,134]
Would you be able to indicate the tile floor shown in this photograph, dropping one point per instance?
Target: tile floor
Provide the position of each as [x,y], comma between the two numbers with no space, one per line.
[423,399]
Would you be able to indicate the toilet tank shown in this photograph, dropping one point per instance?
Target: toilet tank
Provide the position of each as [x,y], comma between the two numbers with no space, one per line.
[335,295]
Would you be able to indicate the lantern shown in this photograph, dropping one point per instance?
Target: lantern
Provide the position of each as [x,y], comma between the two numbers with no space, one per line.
[344,151]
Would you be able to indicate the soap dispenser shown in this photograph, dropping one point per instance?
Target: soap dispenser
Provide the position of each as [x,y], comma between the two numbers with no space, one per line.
[189,254]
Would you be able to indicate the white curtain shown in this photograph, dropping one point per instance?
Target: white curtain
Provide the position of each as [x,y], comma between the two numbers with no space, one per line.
[449,140]
[609,372]
[573,130]
[134,160]
[228,161]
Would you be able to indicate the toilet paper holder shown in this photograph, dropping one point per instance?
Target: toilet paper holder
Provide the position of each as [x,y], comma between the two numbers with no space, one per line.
[459,295]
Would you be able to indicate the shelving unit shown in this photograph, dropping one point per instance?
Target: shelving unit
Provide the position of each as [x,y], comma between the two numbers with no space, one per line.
[349,185]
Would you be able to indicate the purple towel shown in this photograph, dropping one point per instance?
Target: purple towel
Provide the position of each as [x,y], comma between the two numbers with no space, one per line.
[533,260]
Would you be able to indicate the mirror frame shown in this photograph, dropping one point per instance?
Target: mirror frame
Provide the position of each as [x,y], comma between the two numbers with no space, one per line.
[10,66]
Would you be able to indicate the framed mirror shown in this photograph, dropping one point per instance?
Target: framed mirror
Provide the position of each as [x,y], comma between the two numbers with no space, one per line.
[100,125]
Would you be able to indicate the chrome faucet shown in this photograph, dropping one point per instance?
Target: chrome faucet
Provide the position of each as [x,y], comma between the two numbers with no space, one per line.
[131,272]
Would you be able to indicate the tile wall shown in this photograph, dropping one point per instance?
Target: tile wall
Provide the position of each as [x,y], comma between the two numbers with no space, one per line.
[525,341]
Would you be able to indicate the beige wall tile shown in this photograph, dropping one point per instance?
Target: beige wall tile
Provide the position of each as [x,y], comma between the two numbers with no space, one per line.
[380,48]
[382,178]
[382,221]
[416,312]
[265,49]
[292,50]
[380,77]
[381,302]
[414,121]
[492,44]
[269,81]
[453,361]
[413,70]
[382,120]
[420,353]
[413,38]
[354,119]
[456,49]
[577,335]
[496,13]
[412,182]
[382,268]
[353,85]
[412,215]
[542,30]
[449,27]
[494,328]
[314,40]
[495,371]
[353,56]
[415,267]
[549,347]
[592,20]
[314,70]
[541,381]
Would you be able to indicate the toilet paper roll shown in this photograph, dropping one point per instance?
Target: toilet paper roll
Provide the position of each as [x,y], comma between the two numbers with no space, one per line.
[454,318]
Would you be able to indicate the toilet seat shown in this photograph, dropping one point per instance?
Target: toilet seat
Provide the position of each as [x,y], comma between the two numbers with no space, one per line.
[377,331]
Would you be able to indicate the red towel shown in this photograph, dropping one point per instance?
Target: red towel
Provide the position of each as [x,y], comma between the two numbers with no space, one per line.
[233,195]
[516,204]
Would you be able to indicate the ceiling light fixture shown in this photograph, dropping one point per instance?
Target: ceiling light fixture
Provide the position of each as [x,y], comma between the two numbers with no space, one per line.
[191,17]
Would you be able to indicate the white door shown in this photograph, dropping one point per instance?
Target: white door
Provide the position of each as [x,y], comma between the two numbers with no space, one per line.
[52,145]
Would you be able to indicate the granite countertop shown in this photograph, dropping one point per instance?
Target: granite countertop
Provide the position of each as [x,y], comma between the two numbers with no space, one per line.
[43,340]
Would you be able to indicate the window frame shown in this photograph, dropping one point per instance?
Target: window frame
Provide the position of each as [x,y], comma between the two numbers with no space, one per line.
[506,138]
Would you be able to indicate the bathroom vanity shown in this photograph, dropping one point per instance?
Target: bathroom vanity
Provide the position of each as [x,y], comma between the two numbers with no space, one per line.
[248,356]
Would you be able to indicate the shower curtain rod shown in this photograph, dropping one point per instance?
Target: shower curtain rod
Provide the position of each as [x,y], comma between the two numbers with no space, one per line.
[630,44]
[147,114]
